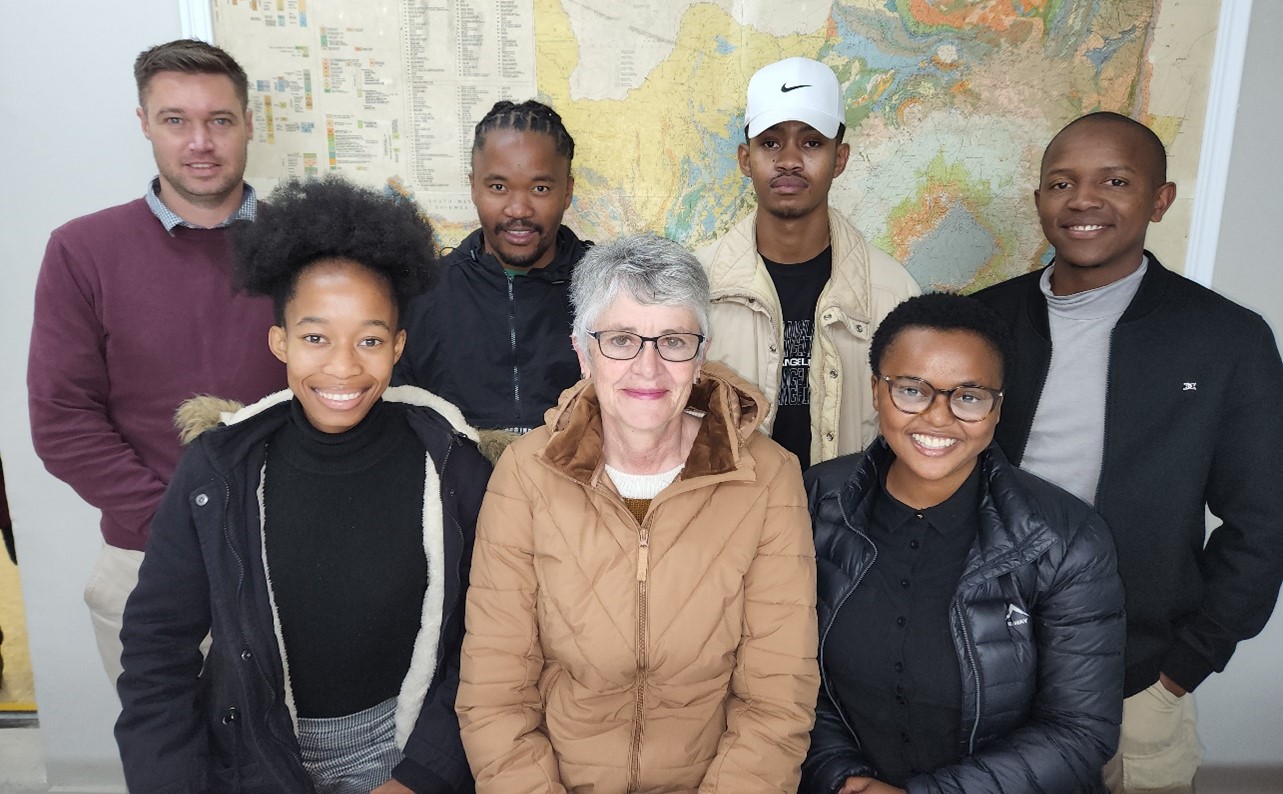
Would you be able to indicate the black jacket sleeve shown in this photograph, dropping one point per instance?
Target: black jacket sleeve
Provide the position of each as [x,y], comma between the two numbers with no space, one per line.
[1242,563]
[834,755]
[162,732]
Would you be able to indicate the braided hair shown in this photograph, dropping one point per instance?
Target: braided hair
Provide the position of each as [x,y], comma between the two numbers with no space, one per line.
[528,116]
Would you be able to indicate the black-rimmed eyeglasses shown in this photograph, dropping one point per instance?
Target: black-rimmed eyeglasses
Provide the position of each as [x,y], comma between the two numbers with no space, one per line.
[966,403]
[625,345]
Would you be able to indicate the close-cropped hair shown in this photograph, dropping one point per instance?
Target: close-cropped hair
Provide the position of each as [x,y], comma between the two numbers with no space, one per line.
[1157,151]
[943,311]
[652,270]
[188,56]
[329,219]
[528,116]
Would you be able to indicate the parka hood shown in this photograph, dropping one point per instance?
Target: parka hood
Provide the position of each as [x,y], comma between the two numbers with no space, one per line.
[732,408]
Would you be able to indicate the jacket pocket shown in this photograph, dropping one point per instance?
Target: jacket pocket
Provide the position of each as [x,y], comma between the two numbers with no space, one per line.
[226,751]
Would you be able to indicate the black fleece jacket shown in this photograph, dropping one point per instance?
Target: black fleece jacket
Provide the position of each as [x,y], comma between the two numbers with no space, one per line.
[497,346]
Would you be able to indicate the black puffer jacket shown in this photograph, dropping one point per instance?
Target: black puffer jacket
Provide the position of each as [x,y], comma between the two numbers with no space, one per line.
[497,346]
[1042,699]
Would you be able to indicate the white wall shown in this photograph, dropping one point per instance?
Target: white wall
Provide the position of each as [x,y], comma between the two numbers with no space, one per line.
[70,144]
[1240,720]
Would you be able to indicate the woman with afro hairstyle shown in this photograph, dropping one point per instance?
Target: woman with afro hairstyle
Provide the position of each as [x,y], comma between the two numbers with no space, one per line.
[319,538]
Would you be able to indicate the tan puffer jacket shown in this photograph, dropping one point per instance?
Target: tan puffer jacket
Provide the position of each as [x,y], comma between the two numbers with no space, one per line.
[675,656]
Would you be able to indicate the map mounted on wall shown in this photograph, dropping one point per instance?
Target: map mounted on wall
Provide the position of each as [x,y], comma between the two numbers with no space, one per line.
[949,105]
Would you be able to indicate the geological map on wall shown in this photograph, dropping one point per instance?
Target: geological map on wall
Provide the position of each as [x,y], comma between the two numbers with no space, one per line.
[949,104]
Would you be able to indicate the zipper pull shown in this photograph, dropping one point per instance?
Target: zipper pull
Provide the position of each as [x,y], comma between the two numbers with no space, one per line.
[643,556]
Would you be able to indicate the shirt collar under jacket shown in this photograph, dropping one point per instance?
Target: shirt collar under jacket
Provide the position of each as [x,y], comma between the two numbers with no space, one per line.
[952,515]
[246,212]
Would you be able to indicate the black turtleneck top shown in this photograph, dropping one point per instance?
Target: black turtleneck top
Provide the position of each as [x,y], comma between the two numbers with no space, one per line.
[344,542]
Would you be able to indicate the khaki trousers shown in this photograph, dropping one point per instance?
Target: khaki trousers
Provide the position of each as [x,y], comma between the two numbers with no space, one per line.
[112,579]
[1159,750]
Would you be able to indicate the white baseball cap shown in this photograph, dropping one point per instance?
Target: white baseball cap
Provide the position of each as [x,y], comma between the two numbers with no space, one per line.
[795,89]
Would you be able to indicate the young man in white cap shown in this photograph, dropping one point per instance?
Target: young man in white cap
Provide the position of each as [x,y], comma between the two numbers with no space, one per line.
[797,290]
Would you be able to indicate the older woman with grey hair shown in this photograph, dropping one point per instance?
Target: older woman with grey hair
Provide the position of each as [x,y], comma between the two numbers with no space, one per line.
[641,615]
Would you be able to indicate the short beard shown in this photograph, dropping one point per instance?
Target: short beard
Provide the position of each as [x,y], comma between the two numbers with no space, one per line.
[789,213]
[524,261]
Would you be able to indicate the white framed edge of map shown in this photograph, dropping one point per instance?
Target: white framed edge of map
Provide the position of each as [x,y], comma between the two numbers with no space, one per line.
[1218,139]
[197,21]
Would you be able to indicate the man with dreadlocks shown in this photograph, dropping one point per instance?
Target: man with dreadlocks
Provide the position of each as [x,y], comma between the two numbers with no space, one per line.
[494,336]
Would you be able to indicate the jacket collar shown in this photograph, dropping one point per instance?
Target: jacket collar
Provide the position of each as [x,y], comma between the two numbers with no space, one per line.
[570,249]
[1011,532]
[254,423]
[1150,295]
[736,265]
[732,409]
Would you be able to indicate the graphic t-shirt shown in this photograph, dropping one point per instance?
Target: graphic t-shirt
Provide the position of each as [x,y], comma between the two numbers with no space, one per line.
[799,287]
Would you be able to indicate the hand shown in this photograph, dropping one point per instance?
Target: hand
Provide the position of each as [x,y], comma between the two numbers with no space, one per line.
[392,787]
[868,785]
[1170,685]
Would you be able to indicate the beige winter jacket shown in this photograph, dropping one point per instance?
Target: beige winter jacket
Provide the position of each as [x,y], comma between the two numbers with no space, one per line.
[748,329]
[675,656]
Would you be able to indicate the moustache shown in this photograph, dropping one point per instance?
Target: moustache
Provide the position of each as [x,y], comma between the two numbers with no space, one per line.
[518,226]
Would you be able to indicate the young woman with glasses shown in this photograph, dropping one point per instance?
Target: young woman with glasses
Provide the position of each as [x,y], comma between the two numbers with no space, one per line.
[971,615]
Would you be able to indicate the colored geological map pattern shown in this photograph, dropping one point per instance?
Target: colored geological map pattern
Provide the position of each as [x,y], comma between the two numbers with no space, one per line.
[949,104]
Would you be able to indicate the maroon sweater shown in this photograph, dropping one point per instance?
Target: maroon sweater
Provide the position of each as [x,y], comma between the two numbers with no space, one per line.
[129,322]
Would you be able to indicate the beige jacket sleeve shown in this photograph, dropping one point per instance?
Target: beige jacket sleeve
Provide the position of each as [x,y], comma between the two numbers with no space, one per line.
[776,676]
[500,710]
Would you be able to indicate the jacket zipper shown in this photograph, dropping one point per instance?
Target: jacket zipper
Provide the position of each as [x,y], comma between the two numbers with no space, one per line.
[240,591]
[828,690]
[240,581]
[229,715]
[512,342]
[975,673]
[639,702]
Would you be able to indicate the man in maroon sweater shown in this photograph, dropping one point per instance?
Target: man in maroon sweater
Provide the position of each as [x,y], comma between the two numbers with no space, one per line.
[135,312]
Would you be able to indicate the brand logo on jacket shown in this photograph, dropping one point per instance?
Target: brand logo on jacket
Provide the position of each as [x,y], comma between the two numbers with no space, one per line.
[1016,616]
[1190,386]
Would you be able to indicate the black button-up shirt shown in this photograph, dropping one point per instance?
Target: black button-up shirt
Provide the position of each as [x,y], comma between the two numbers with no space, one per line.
[889,656]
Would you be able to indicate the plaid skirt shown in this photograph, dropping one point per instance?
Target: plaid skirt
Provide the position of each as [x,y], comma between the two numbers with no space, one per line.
[351,754]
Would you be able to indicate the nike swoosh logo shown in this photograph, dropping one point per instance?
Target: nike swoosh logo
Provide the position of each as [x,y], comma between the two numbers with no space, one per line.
[785,87]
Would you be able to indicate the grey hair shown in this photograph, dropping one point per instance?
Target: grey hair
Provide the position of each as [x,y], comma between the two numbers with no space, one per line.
[652,270]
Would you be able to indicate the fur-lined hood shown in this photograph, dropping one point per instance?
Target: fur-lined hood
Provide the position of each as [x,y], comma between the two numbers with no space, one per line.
[732,408]
[206,411]
[227,440]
